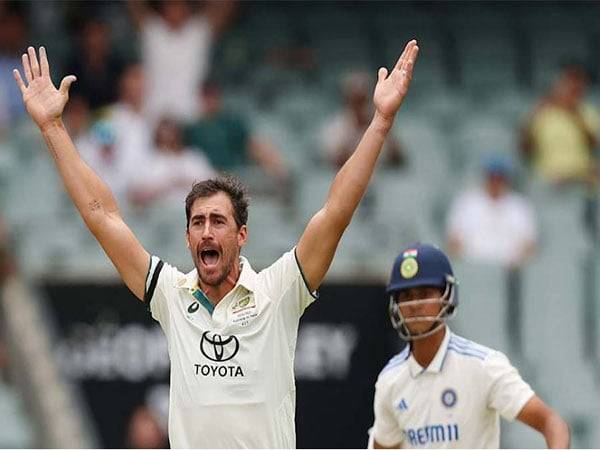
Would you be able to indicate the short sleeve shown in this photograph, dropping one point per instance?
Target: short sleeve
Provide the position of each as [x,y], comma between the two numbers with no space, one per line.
[528,222]
[591,116]
[456,223]
[285,282]
[386,429]
[160,289]
[508,392]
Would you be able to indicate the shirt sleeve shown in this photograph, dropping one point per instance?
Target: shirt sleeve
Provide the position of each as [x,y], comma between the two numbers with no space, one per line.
[508,392]
[529,230]
[386,429]
[285,282]
[591,117]
[160,289]
[457,217]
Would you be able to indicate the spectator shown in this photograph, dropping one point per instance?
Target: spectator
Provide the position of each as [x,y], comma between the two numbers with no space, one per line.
[95,66]
[13,31]
[492,223]
[77,117]
[98,148]
[144,431]
[563,130]
[132,132]
[343,132]
[176,51]
[227,140]
[171,170]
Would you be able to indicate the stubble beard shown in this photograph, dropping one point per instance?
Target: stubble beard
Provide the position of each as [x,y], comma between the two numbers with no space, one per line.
[221,277]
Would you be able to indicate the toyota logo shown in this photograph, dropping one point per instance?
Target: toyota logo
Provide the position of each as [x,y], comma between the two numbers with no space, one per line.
[219,348]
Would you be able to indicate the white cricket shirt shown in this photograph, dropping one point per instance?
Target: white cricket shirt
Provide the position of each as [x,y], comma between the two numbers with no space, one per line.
[232,368]
[453,403]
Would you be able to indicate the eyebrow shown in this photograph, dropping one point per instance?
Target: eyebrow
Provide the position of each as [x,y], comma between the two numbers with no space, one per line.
[215,215]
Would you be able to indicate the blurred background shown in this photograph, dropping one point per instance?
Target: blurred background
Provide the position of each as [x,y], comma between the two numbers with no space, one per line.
[493,157]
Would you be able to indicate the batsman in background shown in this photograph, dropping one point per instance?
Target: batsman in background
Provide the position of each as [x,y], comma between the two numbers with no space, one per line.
[444,391]
[231,331]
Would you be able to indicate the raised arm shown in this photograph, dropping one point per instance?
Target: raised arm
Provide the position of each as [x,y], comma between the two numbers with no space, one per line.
[319,241]
[90,194]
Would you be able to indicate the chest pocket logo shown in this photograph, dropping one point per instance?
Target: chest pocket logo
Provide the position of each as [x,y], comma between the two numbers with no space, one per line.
[219,348]
[244,310]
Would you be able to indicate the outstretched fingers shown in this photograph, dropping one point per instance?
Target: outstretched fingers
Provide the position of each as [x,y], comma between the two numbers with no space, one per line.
[27,68]
[44,66]
[409,60]
[35,67]
[19,81]
[405,53]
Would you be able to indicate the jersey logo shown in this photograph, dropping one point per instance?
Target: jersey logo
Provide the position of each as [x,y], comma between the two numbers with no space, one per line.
[402,405]
[219,348]
[449,398]
[243,303]
[244,310]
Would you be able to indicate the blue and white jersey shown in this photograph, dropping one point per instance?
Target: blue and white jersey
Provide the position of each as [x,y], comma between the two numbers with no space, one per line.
[453,403]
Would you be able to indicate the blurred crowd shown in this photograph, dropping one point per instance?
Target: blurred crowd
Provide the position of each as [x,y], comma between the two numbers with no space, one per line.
[151,121]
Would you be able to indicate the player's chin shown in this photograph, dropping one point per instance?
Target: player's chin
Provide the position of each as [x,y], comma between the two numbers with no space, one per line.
[419,327]
[210,275]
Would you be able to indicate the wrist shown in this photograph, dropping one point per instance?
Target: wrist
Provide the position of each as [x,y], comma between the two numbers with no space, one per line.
[52,125]
[382,123]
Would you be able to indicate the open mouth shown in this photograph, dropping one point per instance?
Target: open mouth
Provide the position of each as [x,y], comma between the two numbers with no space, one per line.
[209,258]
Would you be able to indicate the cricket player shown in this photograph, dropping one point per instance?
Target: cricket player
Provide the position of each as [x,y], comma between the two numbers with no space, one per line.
[231,331]
[444,391]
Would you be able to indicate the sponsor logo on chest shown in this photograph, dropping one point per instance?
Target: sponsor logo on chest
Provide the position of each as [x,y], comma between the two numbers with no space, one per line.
[218,350]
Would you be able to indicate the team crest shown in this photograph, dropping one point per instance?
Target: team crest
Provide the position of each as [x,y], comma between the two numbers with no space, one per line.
[409,267]
[449,398]
[243,303]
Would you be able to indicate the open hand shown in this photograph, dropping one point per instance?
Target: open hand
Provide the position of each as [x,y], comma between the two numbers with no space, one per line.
[43,101]
[391,89]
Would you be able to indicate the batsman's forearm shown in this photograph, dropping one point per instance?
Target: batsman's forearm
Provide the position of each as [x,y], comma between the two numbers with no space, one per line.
[557,433]
[91,195]
[353,178]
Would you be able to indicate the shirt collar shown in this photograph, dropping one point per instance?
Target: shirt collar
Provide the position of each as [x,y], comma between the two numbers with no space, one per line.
[247,278]
[436,364]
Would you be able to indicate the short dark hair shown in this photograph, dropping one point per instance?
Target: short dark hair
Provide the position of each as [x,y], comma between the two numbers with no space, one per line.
[228,184]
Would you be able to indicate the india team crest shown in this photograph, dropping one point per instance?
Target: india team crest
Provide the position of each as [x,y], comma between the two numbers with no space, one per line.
[449,398]
[409,268]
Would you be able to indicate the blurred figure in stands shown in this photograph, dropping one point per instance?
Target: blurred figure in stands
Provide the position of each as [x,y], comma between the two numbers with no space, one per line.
[99,150]
[341,134]
[13,31]
[144,430]
[171,169]
[97,68]
[229,143]
[562,131]
[77,118]
[133,135]
[492,223]
[176,51]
